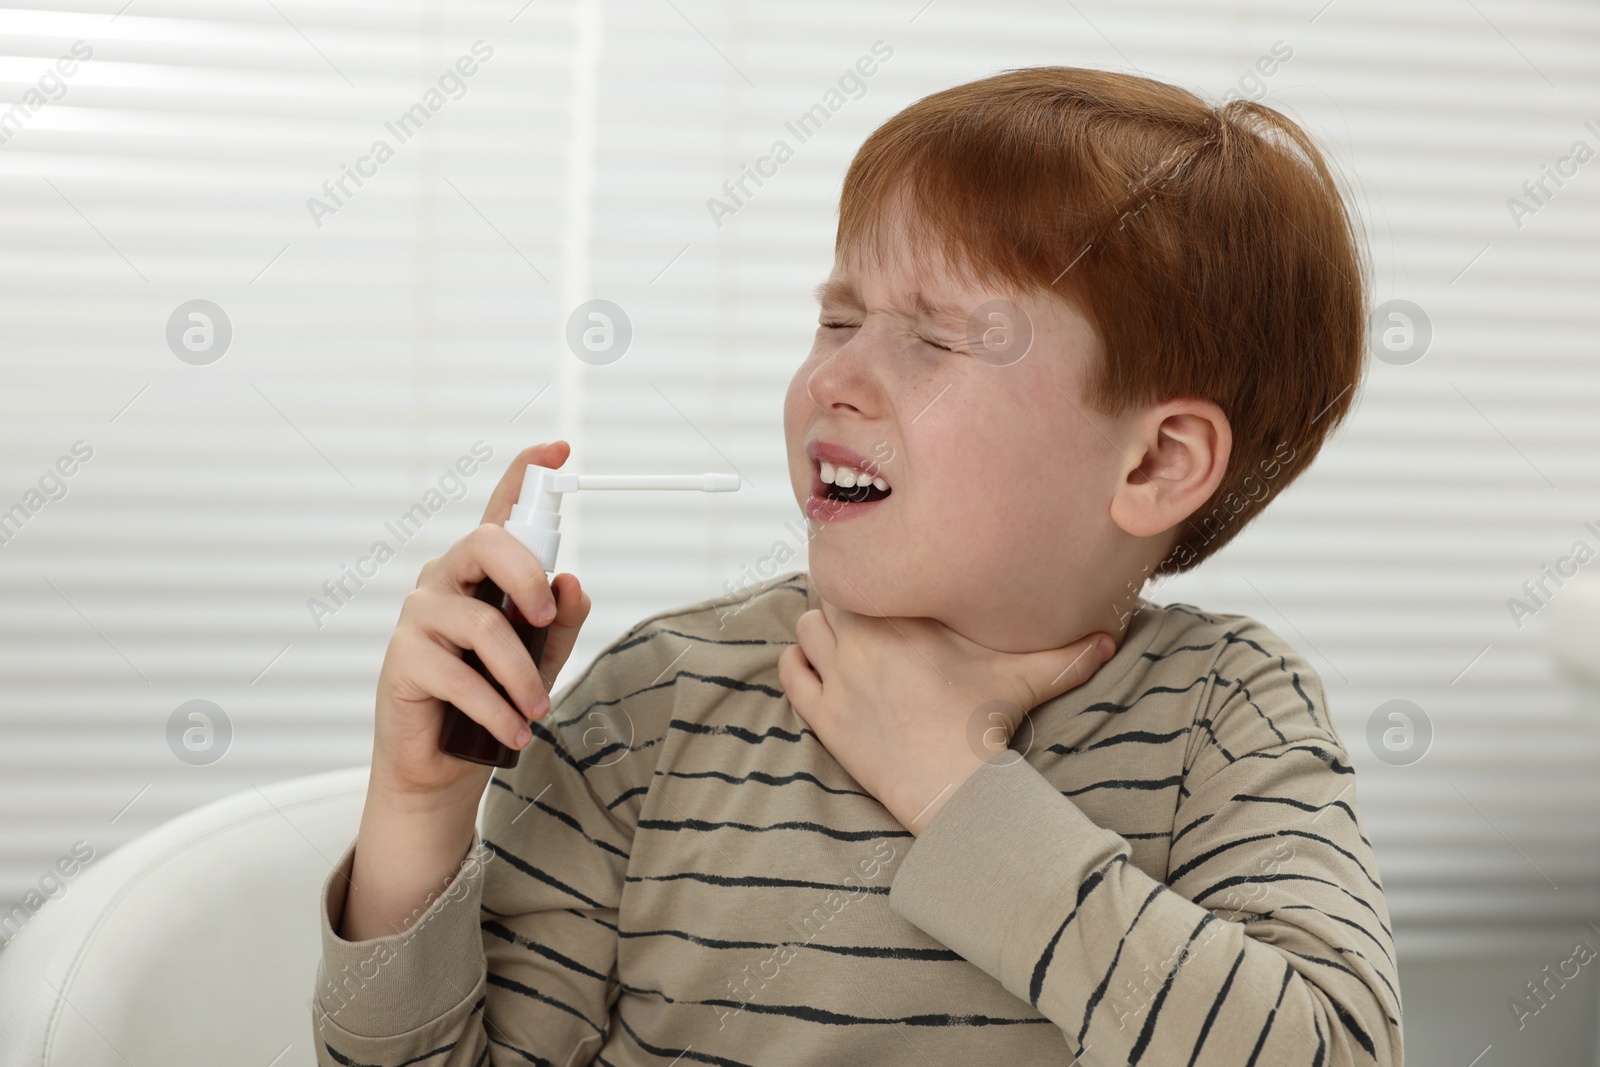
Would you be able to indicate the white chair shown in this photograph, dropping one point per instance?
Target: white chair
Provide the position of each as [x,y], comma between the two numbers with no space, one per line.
[195,944]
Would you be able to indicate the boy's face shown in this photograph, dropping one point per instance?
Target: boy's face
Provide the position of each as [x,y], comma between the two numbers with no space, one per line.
[996,521]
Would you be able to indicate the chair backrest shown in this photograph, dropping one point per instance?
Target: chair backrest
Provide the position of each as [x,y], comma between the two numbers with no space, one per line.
[196,943]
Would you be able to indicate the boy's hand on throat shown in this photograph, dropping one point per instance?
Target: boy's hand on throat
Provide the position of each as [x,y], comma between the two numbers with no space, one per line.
[910,707]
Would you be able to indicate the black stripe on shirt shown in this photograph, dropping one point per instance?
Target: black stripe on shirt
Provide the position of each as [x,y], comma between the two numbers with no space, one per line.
[825,1016]
[505,933]
[753,881]
[1216,1006]
[1136,1053]
[792,824]
[1266,1027]
[534,872]
[1105,982]
[544,998]
[1087,886]
[769,779]
[891,952]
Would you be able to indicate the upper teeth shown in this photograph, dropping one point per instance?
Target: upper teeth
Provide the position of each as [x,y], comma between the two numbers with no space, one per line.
[848,477]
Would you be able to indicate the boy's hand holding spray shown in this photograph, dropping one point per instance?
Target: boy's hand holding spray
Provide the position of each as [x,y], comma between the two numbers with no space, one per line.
[473,658]
[422,805]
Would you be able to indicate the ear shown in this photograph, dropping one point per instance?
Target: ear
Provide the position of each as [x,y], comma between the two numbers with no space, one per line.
[1177,453]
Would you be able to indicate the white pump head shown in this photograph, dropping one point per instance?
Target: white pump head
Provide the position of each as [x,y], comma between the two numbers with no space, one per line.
[536,516]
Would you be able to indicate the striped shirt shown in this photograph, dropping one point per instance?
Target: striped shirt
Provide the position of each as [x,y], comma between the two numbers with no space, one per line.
[1166,867]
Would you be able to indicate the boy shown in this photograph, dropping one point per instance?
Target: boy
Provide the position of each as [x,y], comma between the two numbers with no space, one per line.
[900,807]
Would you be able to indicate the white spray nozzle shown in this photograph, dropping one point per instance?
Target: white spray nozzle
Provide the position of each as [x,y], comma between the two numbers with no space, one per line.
[536,517]
[705,483]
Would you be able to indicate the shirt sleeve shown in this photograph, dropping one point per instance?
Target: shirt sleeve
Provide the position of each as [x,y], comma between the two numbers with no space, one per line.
[392,999]
[515,961]
[1268,940]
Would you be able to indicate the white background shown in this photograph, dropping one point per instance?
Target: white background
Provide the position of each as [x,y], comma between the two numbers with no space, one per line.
[429,311]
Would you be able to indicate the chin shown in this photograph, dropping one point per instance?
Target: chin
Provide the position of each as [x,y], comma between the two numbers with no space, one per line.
[876,594]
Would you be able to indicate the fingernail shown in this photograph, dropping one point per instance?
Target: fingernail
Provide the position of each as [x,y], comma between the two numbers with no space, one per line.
[546,613]
[524,735]
[1107,647]
[541,707]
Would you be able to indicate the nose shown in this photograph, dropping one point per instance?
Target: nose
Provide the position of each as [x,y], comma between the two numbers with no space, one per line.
[845,381]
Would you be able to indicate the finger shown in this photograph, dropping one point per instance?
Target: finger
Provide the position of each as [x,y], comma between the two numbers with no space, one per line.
[572,608]
[817,641]
[551,455]
[800,683]
[494,552]
[442,675]
[458,622]
[1057,670]
[834,616]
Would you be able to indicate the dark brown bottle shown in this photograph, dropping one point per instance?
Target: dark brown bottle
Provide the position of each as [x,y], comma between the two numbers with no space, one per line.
[535,520]
[462,735]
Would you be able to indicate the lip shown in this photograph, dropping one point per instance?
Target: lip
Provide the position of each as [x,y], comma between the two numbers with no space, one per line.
[839,456]
[818,505]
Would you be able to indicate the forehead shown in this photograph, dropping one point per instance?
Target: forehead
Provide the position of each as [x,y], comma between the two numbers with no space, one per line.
[904,259]
[907,276]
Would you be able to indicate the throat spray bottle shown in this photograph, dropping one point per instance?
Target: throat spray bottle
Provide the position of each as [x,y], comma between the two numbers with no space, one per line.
[536,522]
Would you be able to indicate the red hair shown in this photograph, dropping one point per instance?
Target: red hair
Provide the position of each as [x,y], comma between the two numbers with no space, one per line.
[1208,246]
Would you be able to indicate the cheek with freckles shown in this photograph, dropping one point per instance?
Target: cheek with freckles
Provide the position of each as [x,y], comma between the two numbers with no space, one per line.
[990,468]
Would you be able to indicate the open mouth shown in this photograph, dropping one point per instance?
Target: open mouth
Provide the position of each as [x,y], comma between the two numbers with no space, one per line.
[851,486]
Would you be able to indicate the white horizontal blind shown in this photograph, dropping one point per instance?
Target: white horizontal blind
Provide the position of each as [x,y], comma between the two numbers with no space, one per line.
[375,350]
[380,326]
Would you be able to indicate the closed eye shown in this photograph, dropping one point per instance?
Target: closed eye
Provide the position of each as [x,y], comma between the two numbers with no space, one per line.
[851,326]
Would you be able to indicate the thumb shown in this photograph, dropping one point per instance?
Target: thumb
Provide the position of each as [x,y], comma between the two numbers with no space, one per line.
[1057,670]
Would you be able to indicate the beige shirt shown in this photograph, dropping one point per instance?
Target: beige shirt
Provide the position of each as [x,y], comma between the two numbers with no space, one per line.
[1168,868]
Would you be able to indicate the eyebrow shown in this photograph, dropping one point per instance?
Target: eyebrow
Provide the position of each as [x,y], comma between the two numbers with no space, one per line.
[836,291]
